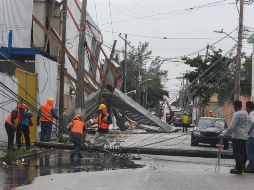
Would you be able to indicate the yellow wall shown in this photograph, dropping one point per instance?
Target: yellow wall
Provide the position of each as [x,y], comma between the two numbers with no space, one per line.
[28,81]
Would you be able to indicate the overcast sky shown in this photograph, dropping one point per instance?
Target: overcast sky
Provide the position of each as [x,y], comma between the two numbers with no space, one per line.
[157,19]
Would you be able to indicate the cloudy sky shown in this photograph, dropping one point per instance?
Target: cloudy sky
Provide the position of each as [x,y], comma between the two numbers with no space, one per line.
[188,26]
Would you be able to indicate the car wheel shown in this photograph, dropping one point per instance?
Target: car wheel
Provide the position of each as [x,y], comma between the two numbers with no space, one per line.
[194,141]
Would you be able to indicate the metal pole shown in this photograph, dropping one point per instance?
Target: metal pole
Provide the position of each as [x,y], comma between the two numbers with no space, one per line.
[239,52]
[139,79]
[80,89]
[146,92]
[252,89]
[62,65]
[124,65]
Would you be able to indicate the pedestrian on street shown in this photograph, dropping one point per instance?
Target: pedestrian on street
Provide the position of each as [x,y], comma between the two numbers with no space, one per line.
[11,123]
[185,121]
[250,141]
[45,117]
[239,129]
[77,128]
[103,120]
[24,125]
[210,114]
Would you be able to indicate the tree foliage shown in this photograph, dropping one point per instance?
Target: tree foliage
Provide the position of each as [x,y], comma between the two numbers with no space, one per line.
[138,59]
[209,76]
[246,73]
[215,75]
[155,87]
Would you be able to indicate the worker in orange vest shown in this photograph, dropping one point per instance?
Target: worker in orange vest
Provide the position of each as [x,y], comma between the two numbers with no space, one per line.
[103,120]
[210,114]
[24,125]
[45,117]
[77,128]
[11,123]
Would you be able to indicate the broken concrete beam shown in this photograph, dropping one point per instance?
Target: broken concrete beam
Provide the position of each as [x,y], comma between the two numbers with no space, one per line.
[121,101]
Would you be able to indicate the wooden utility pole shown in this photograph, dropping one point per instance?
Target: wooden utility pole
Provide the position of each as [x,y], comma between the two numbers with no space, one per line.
[104,80]
[239,53]
[139,79]
[80,89]
[124,64]
[62,64]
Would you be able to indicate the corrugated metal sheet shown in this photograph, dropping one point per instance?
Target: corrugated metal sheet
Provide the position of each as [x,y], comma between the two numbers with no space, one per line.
[28,91]
[16,16]
[134,111]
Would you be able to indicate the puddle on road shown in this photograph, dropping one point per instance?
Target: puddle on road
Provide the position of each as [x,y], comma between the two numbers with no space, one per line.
[58,161]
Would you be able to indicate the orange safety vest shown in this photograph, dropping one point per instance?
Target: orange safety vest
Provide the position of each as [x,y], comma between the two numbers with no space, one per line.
[16,121]
[78,127]
[103,123]
[46,113]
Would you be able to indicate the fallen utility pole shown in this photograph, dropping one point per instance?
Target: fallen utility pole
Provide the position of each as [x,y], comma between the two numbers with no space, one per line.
[80,89]
[62,64]
[225,154]
[239,53]
[108,61]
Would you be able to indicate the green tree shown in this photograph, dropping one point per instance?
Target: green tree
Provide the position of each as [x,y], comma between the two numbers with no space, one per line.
[155,87]
[246,75]
[213,73]
[137,62]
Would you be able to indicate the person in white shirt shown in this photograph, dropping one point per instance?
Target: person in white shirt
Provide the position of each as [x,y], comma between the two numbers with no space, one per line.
[250,141]
[239,130]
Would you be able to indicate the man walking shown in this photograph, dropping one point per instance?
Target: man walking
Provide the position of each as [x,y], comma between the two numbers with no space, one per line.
[103,121]
[77,128]
[250,141]
[45,117]
[239,130]
[23,127]
[185,121]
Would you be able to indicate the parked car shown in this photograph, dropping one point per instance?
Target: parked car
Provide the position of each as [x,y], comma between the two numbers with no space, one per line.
[207,131]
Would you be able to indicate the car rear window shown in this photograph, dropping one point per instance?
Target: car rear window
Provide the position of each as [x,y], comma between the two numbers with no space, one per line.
[205,122]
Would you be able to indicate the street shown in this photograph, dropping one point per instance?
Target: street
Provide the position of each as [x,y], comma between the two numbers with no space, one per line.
[127,94]
[159,172]
[97,171]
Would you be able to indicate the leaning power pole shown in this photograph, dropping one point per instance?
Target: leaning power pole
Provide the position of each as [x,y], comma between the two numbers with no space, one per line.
[62,64]
[239,53]
[124,64]
[80,88]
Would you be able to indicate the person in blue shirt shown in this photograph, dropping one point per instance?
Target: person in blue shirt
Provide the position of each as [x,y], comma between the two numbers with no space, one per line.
[23,127]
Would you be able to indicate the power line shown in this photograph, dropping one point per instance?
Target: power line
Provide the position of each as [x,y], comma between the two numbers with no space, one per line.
[171,59]
[193,83]
[162,38]
[143,6]
[128,12]
[170,12]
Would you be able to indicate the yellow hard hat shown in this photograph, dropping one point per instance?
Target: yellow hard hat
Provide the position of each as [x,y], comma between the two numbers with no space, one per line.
[102,106]
[77,117]
[50,100]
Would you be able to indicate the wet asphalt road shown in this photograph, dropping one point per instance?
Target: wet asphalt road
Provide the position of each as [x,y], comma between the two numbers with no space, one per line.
[55,171]
[160,173]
